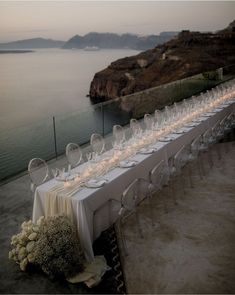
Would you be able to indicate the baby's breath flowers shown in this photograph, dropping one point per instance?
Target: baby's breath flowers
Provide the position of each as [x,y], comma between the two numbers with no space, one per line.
[58,251]
[51,244]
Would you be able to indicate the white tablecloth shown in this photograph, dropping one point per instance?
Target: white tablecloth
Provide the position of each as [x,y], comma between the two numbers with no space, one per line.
[86,201]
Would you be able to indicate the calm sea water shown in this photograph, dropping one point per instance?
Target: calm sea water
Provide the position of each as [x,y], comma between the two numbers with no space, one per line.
[36,86]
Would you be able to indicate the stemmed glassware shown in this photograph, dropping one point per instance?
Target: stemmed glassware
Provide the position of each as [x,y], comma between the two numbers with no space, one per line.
[55,172]
[59,174]
[119,137]
[135,128]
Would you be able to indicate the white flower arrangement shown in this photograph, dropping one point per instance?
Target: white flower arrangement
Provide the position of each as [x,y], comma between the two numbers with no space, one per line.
[51,244]
[58,251]
[23,245]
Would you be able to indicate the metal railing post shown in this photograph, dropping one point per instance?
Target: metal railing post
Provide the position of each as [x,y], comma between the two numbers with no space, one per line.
[102,113]
[55,141]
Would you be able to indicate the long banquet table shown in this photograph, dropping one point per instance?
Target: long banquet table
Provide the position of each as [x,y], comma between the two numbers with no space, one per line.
[87,201]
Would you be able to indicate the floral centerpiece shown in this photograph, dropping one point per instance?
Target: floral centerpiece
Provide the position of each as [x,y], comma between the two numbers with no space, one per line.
[51,244]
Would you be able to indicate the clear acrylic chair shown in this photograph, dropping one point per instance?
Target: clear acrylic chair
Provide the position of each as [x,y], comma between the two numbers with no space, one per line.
[38,172]
[120,209]
[228,123]
[176,163]
[133,195]
[158,177]
[214,139]
[193,158]
[73,155]
[204,149]
[97,144]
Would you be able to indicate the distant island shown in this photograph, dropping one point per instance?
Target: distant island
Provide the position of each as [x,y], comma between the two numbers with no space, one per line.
[93,41]
[32,44]
[188,54]
[14,51]
[115,41]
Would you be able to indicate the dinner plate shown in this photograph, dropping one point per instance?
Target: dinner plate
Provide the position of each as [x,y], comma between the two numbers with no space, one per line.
[127,164]
[209,114]
[199,120]
[228,102]
[66,177]
[146,151]
[191,125]
[181,131]
[95,183]
[217,110]
[166,139]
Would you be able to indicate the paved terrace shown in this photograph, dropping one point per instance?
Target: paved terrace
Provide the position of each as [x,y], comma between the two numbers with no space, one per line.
[190,249]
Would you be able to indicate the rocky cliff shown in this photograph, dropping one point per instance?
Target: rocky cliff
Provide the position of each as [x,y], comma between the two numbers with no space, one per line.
[187,54]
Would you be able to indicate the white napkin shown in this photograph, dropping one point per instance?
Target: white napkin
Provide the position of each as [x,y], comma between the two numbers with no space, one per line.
[94,183]
[92,273]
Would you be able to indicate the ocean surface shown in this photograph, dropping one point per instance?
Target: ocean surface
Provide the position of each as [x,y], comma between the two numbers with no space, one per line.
[38,85]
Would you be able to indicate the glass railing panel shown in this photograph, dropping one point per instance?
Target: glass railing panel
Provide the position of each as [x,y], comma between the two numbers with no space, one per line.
[47,140]
[77,127]
[228,72]
[116,112]
[193,85]
[144,102]
[19,145]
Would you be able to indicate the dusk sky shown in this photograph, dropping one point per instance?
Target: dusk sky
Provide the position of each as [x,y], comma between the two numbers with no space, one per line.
[63,19]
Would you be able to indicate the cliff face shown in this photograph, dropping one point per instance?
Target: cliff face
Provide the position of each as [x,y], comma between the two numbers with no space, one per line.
[188,54]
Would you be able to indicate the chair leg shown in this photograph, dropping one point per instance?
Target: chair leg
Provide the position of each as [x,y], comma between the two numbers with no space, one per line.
[190,175]
[173,190]
[199,168]
[138,224]
[210,159]
[183,183]
[165,198]
[218,151]
[150,207]
[202,165]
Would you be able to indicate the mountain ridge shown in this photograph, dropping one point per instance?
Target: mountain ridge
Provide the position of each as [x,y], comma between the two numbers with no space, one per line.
[32,44]
[113,40]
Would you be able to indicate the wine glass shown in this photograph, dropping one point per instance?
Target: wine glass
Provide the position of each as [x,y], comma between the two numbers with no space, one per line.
[148,122]
[119,137]
[55,172]
[135,128]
